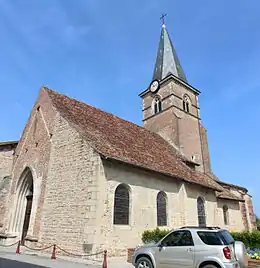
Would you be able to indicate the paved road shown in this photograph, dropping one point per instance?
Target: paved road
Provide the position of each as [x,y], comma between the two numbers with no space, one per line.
[6,263]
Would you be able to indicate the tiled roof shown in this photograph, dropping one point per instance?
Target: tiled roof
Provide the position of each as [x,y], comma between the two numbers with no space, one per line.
[8,143]
[124,141]
[233,186]
[228,195]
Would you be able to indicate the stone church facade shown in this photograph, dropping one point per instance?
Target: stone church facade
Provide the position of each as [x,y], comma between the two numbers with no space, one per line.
[88,180]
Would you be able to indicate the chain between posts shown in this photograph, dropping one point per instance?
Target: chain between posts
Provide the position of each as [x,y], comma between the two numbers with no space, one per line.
[54,251]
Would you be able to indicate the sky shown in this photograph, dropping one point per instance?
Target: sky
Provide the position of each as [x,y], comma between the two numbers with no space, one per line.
[103,53]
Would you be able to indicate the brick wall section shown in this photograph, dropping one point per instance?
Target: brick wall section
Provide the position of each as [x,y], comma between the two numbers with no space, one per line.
[69,212]
[205,149]
[250,212]
[35,156]
[166,124]
[173,124]
[244,215]
[6,162]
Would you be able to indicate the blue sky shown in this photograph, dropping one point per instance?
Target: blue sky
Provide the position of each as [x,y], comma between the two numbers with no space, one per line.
[102,52]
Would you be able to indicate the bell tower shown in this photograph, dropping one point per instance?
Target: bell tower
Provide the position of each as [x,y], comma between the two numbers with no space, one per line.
[171,108]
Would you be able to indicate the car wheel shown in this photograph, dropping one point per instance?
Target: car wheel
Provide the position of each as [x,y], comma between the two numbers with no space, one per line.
[144,262]
[209,265]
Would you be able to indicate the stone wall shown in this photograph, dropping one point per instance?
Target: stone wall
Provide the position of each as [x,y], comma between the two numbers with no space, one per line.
[6,162]
[71,195]
[246,208]
[235,219]
[144,187]
[192,192]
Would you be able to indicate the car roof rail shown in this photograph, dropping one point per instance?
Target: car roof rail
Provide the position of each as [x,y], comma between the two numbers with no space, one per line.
[200,227]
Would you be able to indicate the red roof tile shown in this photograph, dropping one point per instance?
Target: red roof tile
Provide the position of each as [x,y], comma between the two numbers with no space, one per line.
[124,141]
[228,195]
[8,143]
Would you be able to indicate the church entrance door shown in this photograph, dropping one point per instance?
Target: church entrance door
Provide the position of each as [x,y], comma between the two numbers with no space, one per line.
[20,222]
[27,217]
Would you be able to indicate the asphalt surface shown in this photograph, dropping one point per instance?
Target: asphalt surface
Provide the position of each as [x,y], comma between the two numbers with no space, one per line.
[6,263]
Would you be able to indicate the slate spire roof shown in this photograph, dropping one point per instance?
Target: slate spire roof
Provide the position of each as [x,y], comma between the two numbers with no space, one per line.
[167,61]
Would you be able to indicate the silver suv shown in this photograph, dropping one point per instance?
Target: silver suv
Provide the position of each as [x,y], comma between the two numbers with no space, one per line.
[193,247]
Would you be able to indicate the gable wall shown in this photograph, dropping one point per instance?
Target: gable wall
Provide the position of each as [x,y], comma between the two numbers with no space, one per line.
[71,195]
[36,157]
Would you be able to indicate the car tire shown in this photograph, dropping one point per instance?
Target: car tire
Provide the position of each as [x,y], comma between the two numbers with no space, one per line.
[210,265]
[144,262]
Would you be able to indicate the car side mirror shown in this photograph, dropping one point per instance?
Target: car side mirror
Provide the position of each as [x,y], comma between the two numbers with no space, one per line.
[160,245]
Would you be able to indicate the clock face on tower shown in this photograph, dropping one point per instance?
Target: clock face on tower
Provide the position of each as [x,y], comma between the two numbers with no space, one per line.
[154,86]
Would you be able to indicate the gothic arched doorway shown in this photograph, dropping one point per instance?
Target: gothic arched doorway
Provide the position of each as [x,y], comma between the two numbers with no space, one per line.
[23,205]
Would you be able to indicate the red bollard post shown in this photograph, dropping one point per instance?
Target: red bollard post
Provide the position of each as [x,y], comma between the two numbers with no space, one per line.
[53,255]
[18,247]
[105,260]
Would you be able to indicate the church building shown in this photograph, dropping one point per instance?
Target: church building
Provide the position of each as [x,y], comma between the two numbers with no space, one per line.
[88,180]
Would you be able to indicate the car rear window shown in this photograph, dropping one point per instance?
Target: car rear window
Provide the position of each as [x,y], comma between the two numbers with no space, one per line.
[210,238]
[227,237]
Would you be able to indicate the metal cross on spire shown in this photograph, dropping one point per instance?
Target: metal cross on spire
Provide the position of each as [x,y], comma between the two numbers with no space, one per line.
[162,18]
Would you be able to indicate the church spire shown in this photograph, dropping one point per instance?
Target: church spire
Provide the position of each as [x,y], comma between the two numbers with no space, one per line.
[167,61]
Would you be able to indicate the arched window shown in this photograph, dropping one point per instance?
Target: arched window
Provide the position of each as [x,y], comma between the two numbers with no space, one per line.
[225,214]
[121,205]
[161,209]
[157,104]
[186,103]
[201,212]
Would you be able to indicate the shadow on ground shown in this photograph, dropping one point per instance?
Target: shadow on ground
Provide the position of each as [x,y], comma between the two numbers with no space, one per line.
[6,263]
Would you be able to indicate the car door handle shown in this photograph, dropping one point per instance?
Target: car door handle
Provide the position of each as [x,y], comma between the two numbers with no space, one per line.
[189,249]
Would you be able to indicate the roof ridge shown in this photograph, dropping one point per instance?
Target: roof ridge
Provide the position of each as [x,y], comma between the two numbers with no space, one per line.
[94,107]
[117,138]
[49,90]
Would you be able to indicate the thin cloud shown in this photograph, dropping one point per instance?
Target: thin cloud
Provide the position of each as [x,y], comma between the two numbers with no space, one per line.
[45,26]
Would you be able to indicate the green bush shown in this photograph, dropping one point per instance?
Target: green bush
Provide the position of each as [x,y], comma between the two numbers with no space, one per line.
[250,239]
[150,236]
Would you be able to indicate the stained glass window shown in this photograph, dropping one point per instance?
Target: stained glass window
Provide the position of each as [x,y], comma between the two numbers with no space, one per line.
[161,209]
[121,205]
[225,214]
[201,212]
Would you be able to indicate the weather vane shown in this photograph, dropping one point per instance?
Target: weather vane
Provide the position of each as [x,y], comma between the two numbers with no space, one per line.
[162,18]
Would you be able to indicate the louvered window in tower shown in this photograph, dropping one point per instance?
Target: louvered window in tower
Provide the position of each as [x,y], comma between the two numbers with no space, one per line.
[161,209]
[201,212]
[186,104]
[157,105]
[121,205]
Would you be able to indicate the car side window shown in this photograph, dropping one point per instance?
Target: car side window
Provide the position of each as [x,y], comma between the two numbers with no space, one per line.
[186,239]
[177,239]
